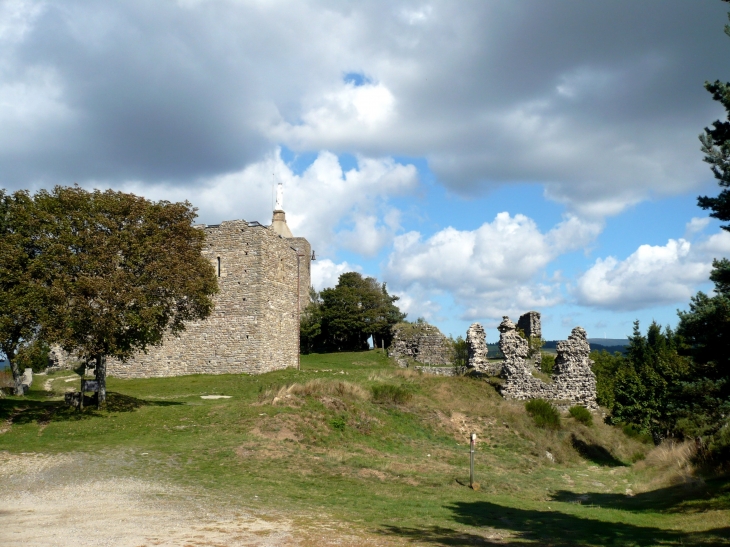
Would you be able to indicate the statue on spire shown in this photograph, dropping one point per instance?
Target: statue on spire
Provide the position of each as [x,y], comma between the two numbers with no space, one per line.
[279,198]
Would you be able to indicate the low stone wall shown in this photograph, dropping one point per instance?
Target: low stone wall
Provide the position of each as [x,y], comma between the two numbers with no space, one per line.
[442,371]
[573,381]
[421,342]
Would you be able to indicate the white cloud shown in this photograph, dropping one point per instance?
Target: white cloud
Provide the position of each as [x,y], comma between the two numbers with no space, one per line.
[332,208]
[695,226]
[326,273]
[492,93]
[651,276]
[491,270]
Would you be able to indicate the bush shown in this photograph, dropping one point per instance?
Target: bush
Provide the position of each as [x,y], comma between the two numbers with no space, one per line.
[389,393]
[338,423]
[581,414]
[633,431]
[547,363]
[544,414]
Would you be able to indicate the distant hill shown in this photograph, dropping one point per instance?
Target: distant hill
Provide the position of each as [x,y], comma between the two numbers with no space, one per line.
[611,345]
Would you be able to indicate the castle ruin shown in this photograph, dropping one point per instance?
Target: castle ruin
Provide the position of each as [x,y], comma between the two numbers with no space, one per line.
[572,383]
[263,279]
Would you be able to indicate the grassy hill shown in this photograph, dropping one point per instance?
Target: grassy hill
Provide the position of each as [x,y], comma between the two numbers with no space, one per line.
[383,450]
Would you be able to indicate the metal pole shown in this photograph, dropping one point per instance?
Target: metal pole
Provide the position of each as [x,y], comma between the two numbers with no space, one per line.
[473,439]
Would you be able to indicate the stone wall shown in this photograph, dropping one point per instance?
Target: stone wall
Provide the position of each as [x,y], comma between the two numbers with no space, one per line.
[476,344]
[573,381]
[253,327]
[421,342]
[531,325]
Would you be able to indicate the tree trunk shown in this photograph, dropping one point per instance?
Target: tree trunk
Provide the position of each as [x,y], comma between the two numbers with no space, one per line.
[101,378]
[17,378]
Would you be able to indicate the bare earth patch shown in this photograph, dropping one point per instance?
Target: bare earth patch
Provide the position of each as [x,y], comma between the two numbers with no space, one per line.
[49,501]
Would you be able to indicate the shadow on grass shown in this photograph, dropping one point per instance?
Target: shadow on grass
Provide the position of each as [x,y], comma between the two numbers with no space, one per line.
[595,453]
[551,528]
[713,494]
[24,411]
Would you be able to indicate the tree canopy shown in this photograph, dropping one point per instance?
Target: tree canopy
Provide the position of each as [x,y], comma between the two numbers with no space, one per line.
[112,272]
[20,293]
[342,318]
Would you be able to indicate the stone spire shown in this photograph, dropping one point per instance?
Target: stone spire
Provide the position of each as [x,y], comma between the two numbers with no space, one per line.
[278,223]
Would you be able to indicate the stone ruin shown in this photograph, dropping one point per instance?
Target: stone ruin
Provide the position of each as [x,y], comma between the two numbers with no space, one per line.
[532,328]
[420,342]
[476,343]
[573,381]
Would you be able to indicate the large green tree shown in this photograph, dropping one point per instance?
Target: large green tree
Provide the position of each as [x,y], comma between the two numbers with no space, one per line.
[119,271]
[646,380]
[351,312]
[20,294]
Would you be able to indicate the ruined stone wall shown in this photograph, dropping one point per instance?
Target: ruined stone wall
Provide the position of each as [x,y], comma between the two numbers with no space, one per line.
[422,342]
[253,327]
[476,344]
[531,325]
[573,382]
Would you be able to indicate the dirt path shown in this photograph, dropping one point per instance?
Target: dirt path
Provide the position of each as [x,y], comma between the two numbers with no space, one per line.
[43,502]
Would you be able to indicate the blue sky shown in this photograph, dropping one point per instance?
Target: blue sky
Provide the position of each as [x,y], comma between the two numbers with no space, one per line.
[484,158]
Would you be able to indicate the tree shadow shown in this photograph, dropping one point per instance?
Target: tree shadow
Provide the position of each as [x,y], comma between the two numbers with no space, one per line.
[696,496]
[551,528]
[595,453]
[25,411]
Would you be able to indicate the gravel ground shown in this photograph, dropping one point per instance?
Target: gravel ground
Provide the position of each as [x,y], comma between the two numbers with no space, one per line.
[64,500]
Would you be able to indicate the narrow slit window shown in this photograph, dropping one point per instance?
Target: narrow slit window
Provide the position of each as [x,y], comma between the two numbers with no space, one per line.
[219,266]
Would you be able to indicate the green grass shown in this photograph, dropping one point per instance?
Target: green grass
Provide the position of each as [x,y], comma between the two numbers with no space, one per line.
[383,449]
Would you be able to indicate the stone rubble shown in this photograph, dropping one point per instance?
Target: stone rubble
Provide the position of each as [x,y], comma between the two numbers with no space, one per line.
[573,381]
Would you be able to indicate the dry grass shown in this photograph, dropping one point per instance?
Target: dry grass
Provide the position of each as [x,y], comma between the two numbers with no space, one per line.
[314,388]
[670,463]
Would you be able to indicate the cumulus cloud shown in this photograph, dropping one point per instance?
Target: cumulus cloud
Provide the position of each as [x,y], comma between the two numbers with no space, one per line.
[651,276]
[490,270]
[334,209]
[489,93]
[326,273]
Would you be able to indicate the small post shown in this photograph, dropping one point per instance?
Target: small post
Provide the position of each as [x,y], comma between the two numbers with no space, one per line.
[473,439]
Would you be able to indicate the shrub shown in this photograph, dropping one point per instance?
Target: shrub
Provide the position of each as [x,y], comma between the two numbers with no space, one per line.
[338,423]
[633,431]
[389,393]
[581,414]
[547,363]
[544,414]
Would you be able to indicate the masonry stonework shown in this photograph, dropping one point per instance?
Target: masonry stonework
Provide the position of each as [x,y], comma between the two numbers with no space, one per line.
[421,342]
[573,381]
[254,326]
[476,345]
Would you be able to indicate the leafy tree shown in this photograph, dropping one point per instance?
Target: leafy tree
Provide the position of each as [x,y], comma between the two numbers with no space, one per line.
[606,367]
[310,324]
[20,294]
[461,351]
[644,385]
[355,309]
[120,272]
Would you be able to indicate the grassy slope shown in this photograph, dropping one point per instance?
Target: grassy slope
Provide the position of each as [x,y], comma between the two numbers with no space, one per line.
[313,441]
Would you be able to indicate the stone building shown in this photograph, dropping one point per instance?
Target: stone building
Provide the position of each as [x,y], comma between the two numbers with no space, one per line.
[263,279]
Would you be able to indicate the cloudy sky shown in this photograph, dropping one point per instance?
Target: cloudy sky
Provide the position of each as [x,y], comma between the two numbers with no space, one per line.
[484,158]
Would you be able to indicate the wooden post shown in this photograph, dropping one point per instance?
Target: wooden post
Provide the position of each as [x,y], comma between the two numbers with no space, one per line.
[472,443]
